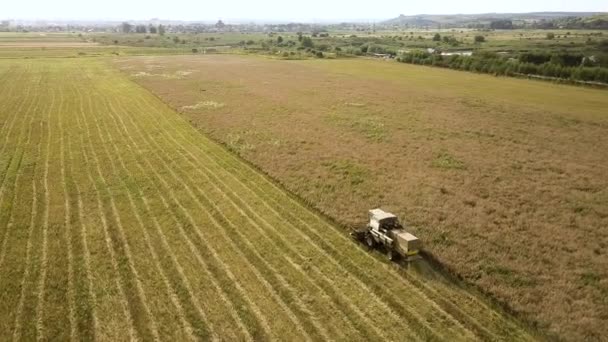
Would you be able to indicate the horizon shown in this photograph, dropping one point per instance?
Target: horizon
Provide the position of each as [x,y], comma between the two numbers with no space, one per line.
[245,20]
[276,11]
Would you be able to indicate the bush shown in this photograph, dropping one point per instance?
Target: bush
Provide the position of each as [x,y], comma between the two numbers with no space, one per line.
[480,39]
[323,47]
[307,42]
[536,58]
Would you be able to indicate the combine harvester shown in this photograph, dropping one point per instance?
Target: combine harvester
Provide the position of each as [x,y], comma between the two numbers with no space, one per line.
[385,231]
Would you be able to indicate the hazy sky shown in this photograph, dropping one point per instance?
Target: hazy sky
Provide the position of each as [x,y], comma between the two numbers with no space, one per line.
[308,10]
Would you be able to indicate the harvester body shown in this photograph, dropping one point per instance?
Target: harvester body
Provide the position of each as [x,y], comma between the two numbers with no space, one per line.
[384,230]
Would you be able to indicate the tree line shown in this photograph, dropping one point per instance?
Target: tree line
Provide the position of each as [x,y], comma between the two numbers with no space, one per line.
[129,28]
[563,66]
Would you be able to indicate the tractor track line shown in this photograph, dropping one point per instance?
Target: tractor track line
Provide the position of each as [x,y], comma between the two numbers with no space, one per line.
[18,176]
[7,104]
[100,209]
[7,135]
[86,254]
[28,249]
[56,259]
[29,266]
[242,293]
[243,239]
[171,293]
[199,236]
[45,224]
[119,242]
[258,274]
[199,258]
[180,270]
[67,232]
[74,333]
[17,153]
[85,318]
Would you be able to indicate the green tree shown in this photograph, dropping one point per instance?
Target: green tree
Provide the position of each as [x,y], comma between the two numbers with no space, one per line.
[126,27]
[141,29]
[502,24]
[437,37]
[307,42]
[480,39]
[550,35]
[279,39]
[161,30]
[152,29]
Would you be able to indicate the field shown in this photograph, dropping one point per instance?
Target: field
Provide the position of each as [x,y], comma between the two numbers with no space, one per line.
[504,179]
[68,45]
[498,40]
[119,220]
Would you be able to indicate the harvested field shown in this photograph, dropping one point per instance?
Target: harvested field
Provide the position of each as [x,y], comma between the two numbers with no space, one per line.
[41,40]
[120,221]
[4,45]
[503,179]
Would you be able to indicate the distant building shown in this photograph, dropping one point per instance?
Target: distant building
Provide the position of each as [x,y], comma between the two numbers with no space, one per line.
[382,55]
[458,53]
[5,23]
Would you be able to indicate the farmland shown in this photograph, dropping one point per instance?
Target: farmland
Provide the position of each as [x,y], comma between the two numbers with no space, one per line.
[67,45]
[504,179]
[119,220]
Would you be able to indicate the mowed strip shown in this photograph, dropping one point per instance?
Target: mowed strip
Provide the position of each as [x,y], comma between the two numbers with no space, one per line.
[120,221]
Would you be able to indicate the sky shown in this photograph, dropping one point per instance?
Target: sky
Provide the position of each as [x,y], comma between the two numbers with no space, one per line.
[283,10]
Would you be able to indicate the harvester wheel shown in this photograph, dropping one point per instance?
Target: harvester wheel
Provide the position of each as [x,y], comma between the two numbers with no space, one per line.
[391,255]
[369,240]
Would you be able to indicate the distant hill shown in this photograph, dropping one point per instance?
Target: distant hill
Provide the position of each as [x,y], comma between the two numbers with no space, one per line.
[463,20]
[595,22]
[403,20]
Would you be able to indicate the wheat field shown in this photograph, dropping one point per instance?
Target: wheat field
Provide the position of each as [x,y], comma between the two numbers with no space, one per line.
[120,221]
